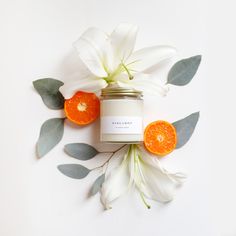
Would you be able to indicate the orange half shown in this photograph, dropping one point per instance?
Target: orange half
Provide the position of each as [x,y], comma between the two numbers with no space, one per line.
[83,108]
[160,137]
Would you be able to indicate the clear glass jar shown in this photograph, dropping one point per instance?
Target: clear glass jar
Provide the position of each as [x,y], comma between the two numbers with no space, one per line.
[121,115]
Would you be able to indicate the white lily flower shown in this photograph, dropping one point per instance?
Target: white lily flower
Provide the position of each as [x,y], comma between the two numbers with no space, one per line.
[143,171]
[111,58]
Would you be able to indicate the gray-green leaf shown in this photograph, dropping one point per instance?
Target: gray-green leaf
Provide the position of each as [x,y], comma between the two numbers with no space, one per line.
[97,184]
[48,89]
[81,151]
[74,171]
[183,71]
[50,135]
[185,128]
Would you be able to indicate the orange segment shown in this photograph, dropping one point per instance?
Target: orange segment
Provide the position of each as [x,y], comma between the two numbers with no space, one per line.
[83,108]
[160,137]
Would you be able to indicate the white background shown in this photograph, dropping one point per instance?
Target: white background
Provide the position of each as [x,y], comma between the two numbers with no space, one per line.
[36,38]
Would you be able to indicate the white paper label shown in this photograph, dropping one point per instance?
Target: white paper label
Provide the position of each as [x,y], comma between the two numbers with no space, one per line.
[121,125]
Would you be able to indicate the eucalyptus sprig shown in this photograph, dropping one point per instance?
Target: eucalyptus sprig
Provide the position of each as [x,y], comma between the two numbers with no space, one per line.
[48,89]
[52,130]
[84,152]
[51,133]
[183,71]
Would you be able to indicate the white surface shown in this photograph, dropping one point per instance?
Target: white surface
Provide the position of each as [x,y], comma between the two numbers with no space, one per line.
[35,199]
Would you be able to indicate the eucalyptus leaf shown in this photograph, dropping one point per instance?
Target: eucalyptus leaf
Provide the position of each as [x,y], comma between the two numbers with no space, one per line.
[184,70]
[185,128]
[51,133]
[48,89]
[81,151]
[97,184]
[74,171]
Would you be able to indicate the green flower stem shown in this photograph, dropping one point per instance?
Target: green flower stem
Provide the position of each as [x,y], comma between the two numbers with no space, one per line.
[122,67]
[137,159]
[110,78]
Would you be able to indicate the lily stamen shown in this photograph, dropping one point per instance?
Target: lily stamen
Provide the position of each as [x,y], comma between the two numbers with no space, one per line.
[144,200]
[127,71]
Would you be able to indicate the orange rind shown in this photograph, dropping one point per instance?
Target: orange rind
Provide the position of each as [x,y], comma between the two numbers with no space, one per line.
[160,138]
[83,108]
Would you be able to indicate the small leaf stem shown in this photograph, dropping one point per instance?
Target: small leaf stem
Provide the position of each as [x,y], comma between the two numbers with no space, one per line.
[108,160]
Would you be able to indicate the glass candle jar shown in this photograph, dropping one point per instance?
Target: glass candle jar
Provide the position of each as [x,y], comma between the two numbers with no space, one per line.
[121,115]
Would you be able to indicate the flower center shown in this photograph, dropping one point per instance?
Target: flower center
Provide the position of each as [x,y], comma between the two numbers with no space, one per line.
[82,106]
[121,68]
[160,138]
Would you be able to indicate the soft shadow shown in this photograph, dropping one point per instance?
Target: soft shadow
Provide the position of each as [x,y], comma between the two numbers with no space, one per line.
[36,153]
[73,125]
[95,132]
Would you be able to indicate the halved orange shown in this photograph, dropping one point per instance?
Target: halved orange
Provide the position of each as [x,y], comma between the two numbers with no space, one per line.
[83,108]
[160,137]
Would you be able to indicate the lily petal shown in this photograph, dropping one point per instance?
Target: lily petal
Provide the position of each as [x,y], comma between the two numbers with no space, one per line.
[117,183]
[143,82]
[123,40]
[149,86]
[178,177]
[146,58]
[92,47]
[157,183]
[90,85]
